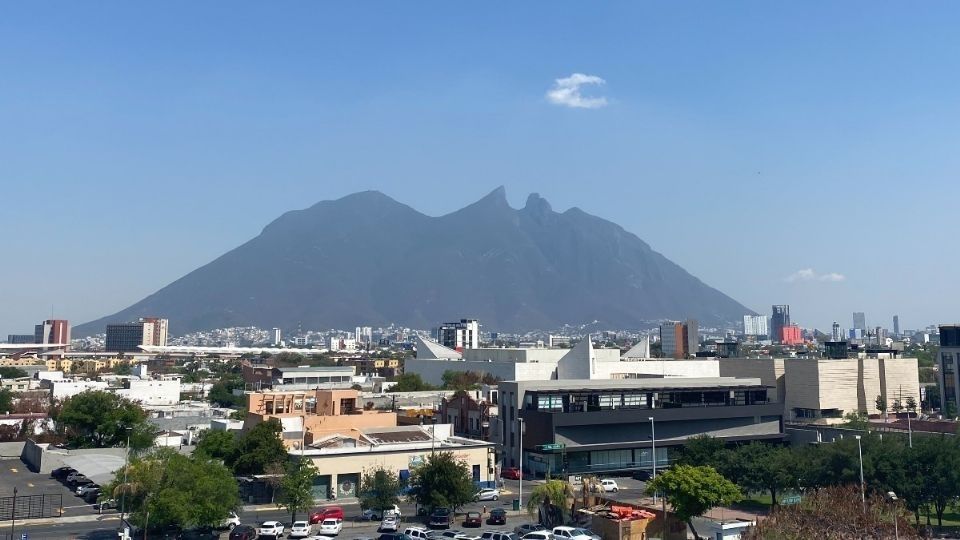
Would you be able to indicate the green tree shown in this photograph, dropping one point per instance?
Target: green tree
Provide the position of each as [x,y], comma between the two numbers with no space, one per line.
[379,488]
[857,420]
[215,444]
[11,372]
[296,487]
[693,491]
[765,468]
[123,368]
[880,404]
[553,492]
[99,419]
[411,382]
[221,393]
[169,488]
[897,406]
[259,447]
[6,400]
[442,480]
[703,450]
[911,404]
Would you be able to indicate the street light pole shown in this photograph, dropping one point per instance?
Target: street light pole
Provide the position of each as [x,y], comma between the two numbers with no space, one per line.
[126,486]
[13,513]
[863,489]
[653,453]
[520,490]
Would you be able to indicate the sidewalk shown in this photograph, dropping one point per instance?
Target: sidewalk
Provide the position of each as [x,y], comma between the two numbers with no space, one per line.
[87,518]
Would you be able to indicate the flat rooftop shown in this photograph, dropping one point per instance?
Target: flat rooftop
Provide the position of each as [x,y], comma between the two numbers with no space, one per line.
[667,383]
[316,369]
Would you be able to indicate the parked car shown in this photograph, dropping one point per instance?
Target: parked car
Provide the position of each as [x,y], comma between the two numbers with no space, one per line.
[325,512]
[83,489]
[498,516]
[473,519]
[609,485]
[393,536]
[511,473]
[643,475]
[498,535]
[390,523]
[62,472]
[299,529]
[75,478]
[538,535]
[106,504]
[270,529]
[243,532]
[372,514]
[230,521]
[487,494]
[330,527]
[440,518]
[91,496]
[417,533]
[573,533]
[451,534]
[525,528]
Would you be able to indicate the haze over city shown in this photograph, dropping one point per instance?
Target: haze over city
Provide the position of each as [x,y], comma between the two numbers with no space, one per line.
[798,154]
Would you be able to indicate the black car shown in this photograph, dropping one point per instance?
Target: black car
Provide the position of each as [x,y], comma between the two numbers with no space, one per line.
[92,495]
[441,518]
[199,534]
[394,536]
[645,476]
[61,472]
[498,516]
[243,532]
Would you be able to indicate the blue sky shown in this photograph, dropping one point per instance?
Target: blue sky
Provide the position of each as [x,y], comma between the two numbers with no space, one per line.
[747,141]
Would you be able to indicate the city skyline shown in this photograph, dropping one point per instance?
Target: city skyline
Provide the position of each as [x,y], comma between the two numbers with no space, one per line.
[109,120]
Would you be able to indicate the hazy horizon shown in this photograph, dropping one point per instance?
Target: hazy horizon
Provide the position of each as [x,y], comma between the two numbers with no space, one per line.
[783,154]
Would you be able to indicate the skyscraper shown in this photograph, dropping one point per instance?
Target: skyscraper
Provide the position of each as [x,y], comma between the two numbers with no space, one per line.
[128,337]
[896,325]
[52,331]
[460,335]
[679,339]
[779,319]
[836,334]
[276,337]
[859,320]
[755,325]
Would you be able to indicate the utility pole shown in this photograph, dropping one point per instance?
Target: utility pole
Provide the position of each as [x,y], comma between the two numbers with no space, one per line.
[13,513]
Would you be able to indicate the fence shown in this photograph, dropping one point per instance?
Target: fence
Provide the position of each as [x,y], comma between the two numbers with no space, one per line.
[31,506]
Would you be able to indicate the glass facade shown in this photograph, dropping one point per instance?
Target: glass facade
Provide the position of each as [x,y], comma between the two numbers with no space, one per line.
[605,400]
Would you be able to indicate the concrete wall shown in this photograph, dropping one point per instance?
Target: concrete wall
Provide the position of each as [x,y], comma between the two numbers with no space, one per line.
[900,380]
[658,368]
[152,392]
[769,371]
[11,449]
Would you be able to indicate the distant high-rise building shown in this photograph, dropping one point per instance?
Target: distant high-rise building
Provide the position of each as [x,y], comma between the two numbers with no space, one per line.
[460,335]
[779,318]
[836,333]
[52,331]
[129,337]
[755,325]
[947,374]
[679,339]
[791,334]
[21,339]
[276,337]
[896,326]
[859,320]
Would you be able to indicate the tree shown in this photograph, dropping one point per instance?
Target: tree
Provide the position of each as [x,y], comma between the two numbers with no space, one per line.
[911,404]
[219,445]
[99,419]
[880,404]
[123,368]
[765,468]
[379,488]
[169,488]
[550,498]
[703,450]
[11,372]
[259,447]
[411,382]
[442,480]
[834,512]
[693,491]
[273,475]
[296,488]
[857,420]
[6,400]
[221,393]
[897,406]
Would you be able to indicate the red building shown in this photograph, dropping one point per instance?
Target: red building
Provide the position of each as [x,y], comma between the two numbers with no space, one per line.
[791,335]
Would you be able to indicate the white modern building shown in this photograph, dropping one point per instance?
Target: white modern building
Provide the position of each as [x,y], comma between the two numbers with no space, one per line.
[151,392]
[62,389]
[461,335]
[755,325]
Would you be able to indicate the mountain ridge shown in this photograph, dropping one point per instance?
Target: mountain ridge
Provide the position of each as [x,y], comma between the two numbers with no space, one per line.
[368,259]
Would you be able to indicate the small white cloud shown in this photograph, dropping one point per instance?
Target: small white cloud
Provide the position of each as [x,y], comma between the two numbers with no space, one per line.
[566,92]
[809,274]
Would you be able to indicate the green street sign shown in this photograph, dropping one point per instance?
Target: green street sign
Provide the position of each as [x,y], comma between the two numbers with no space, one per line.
[552,446]
[792,499]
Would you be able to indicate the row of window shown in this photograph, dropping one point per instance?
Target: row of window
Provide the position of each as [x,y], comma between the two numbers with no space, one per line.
[597,401]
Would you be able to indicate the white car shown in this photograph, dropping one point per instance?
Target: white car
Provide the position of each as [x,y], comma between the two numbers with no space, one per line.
[573,533]
[331,527]
[417,533]
[86,488]
[390,523]
[299,529]
[487,494]
[538,535]
[270,529]
[609,485]
[230,522]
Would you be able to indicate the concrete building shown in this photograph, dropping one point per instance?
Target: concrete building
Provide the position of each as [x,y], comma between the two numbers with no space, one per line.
[130,337]
[471,412]
[896,326]
[860,321]
[52,331]
[791,334]
[151,392]
[836,333]
[755,325]
[276,337]
[780,317]
[340,459]
[579,426]
[21,339]
[461,335]
[679,339]
[63,389]
[309,416]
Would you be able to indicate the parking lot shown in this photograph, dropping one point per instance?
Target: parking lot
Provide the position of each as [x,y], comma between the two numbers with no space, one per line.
[14,474]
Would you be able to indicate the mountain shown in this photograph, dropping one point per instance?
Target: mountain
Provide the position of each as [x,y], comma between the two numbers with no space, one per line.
[367,259]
